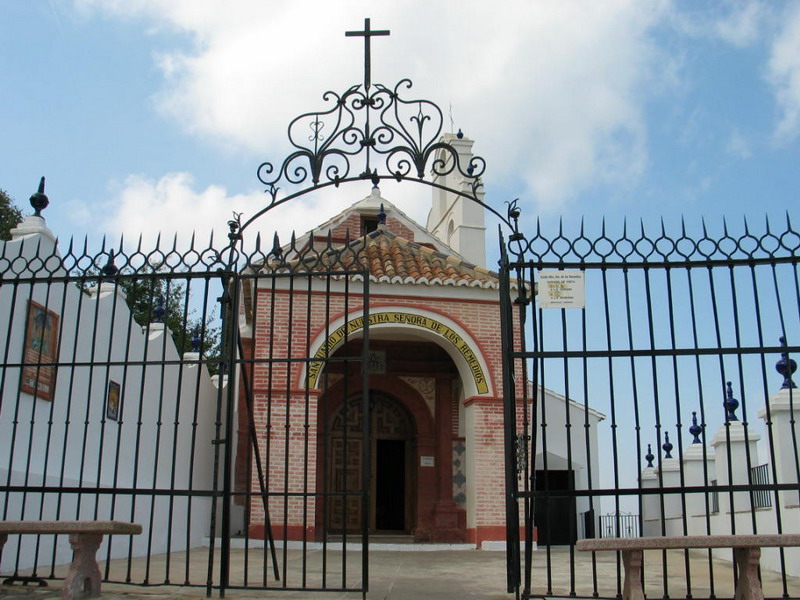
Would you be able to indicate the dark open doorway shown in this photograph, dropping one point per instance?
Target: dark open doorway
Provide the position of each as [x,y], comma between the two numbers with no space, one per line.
[390,485]
[554,514]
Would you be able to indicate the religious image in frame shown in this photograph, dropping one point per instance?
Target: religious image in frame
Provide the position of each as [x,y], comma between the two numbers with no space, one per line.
[112,401]
[39,352]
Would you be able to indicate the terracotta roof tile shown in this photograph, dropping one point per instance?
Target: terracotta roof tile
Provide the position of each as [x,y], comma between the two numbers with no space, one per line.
[390,257]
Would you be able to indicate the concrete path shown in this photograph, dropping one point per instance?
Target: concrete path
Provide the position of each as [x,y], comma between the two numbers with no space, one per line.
[449,574]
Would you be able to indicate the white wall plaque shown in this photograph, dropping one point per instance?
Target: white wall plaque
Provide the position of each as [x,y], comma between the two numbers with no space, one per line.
[561,289]
[427,461]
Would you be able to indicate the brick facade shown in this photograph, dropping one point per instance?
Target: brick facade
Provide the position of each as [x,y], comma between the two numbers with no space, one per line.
[290,325]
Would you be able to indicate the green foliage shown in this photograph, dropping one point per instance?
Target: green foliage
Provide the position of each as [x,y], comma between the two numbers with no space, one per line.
[10,215]
[143,295]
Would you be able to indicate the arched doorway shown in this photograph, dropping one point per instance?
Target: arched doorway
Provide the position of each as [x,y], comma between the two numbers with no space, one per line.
[392,476]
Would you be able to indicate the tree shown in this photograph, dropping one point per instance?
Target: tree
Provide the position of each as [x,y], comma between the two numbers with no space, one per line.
[155,294]
[10,215]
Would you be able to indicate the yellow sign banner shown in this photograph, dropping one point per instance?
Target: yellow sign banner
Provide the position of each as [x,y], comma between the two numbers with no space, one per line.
[398,318]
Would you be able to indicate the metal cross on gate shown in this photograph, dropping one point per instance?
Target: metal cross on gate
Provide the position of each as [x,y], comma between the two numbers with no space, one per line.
[366,34]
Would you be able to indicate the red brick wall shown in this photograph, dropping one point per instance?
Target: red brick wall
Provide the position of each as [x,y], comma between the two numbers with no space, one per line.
[284,329]
[353,225]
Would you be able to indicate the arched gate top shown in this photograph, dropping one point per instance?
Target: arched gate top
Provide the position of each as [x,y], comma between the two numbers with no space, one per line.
[370,132]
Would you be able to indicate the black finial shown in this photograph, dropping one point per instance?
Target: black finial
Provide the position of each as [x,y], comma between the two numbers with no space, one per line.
[649,457]
[160,310]
[39,200]
[276,251]
[786,366]
[667,446]
[233,225]
[460,134]
[695,429]
[375,178]
[731,404]
[109,269]
[381,216]
[195,341]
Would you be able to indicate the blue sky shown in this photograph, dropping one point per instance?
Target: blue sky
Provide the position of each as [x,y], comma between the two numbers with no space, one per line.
[150,115]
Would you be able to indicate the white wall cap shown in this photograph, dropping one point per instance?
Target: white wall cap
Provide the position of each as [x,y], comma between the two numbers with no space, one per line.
[696,452]
[737,434]
[669,465]
[649,474]
[105,288]
[32,225]
[784,401]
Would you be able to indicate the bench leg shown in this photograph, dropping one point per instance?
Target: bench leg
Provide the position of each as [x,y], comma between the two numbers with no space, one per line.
[83,578]
[632,588]
[748,587]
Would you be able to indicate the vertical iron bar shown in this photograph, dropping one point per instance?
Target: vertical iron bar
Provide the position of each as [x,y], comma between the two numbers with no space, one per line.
[509,420]
[367,448]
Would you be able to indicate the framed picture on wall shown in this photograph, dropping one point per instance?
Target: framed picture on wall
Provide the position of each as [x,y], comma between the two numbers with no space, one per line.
[39,352]
[112,401]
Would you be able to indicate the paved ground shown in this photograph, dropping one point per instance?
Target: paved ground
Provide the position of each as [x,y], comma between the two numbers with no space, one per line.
[416,575]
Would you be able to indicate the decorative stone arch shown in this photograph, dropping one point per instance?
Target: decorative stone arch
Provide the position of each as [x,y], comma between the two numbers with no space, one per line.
[396,389]
[474,369]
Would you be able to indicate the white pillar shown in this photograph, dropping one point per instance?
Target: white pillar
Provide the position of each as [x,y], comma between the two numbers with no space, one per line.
[670,471]
[784,412]
[651,512]
[699,471]
[732,443]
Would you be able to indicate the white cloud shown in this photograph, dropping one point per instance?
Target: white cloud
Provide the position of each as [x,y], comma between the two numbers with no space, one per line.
[172,208]
[738,145]
[784,73]
[736,22]
[741,25]
[552,92]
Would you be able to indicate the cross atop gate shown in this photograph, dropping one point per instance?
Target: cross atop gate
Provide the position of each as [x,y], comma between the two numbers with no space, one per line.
[367,34]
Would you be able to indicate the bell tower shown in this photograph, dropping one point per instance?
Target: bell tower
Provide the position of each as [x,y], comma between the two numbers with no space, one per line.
[456,221]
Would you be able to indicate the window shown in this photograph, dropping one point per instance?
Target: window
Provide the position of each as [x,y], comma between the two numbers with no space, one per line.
[368,224]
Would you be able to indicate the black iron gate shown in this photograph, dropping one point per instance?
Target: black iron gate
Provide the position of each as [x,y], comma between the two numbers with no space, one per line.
[641,400]
[301,352]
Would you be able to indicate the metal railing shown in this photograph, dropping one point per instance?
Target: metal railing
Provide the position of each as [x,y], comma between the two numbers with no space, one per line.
[619,525]
[760,476]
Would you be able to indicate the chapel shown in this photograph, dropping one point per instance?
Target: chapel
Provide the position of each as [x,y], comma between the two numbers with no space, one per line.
[435,470]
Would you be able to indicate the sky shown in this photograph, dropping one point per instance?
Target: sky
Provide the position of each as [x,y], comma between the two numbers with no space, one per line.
[152,116]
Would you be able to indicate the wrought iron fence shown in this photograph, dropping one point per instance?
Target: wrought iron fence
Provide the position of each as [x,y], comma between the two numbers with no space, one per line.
[113,388]
[651,354]
[153,386]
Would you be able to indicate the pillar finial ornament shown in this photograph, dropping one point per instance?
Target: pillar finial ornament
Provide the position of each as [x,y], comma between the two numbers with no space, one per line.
[695,430]
[730,403]
[39,200]
[786,366]
[667,446]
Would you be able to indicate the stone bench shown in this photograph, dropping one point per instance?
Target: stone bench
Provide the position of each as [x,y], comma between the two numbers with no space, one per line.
[83,577]
[746,550]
